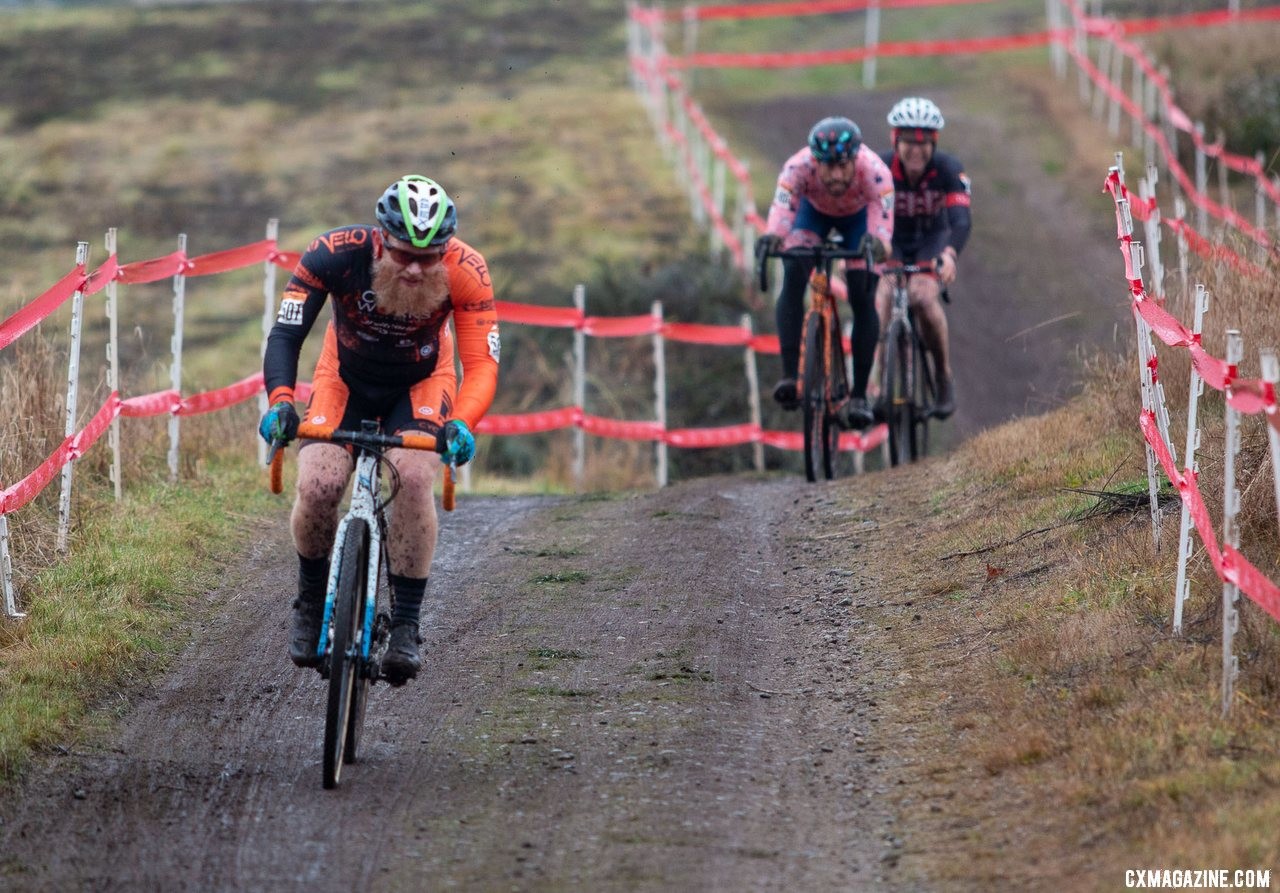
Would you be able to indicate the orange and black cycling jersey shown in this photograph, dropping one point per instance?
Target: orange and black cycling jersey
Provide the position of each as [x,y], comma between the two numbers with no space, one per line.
[380,349]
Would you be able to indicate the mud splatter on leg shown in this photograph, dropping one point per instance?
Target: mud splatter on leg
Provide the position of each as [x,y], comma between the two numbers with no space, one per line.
[323,472]
[411,537]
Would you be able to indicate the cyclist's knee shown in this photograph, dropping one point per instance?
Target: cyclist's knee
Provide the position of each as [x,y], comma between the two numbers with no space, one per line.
[318,492]
[323,470]
[925,290]
[416,470]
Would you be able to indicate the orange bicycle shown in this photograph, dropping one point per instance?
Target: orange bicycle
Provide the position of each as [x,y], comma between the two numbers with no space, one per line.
[822,385]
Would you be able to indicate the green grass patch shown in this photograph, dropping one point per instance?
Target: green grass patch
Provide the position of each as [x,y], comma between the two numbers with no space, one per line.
[683,673]
[560,578]
[549,552]
[556,654]
[116,604]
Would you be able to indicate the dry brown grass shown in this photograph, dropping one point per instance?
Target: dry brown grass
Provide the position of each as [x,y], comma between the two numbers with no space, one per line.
[33,384]
[1072,709]
[1226,78]
[33,394]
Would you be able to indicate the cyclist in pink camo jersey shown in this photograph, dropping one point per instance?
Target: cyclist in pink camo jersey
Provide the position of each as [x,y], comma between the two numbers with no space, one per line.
[833,183]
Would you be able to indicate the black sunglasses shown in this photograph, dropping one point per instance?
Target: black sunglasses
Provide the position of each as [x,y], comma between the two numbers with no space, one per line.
[404,257]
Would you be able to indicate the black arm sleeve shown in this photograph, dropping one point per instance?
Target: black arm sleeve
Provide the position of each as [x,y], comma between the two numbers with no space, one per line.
[960,221]
[299,308]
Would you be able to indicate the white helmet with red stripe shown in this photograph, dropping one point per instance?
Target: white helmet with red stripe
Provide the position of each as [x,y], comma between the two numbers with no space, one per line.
[916,112]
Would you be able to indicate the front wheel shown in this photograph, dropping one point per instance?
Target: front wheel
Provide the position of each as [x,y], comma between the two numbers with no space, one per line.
[366,666]
[344,654]
[818,430]
[837,394]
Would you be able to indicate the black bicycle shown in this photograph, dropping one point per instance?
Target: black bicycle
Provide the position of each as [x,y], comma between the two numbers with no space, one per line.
[822,385]
[908,379]
[357,620]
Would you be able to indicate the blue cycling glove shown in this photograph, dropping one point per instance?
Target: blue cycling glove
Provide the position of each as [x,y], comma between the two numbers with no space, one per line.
[460,443]
[279,423]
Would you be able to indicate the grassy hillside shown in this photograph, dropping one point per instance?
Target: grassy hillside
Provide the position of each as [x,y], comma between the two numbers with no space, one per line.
[210,119]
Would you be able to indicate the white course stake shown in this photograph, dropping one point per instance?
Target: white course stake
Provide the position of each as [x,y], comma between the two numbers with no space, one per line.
[1152,393]
[1113,104]
[753,393]
[73,394]
[1202,181]
[1184,250]
[113,369]
[175,344]
[1151,228]
[660,391]
[268,320]
[1230,532]
[1182,589]
[6,573]
[579,389]
[1058,53]
[873,41]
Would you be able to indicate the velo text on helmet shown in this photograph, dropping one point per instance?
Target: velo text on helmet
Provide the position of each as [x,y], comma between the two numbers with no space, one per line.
[916,119]
[417,210]
[833,140]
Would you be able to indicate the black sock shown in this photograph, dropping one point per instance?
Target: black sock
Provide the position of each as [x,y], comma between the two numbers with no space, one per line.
[313,576]
[407,593]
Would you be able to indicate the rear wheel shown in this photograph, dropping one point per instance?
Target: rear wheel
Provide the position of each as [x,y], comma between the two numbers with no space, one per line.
[924,395]
[896,394]
[817,433]
[344,658]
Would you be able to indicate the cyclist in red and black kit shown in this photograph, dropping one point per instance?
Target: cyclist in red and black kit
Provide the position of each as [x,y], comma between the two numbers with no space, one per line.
[387,355]
[931,222]
[834,183]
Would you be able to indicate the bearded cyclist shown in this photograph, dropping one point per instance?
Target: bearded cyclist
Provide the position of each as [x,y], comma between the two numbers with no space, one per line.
[833,183]
[387,355]
[931,223]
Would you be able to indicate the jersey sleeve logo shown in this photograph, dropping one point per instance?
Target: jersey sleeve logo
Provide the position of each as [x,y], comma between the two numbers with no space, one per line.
[968,187]
[495,344]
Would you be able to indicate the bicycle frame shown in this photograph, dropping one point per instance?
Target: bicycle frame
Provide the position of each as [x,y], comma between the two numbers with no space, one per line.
[364,507]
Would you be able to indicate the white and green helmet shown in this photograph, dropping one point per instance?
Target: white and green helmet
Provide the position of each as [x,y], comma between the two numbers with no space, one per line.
[417,210]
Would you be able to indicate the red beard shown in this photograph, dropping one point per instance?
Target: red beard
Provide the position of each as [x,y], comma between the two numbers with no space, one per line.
[398,297]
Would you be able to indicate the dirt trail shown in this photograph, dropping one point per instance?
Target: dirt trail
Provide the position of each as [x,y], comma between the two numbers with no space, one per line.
[697,689]
[650,692]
